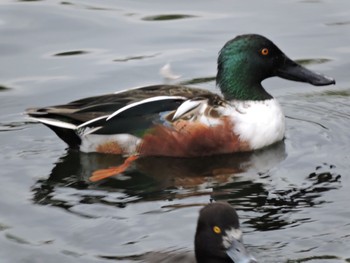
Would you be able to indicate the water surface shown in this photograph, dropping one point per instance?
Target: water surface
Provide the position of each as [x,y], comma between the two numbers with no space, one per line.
[292,197]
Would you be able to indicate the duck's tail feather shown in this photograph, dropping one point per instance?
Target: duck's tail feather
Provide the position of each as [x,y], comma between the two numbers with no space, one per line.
[65,130]
[67,135]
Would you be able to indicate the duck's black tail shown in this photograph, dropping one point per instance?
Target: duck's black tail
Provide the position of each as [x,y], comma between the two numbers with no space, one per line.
[64,127]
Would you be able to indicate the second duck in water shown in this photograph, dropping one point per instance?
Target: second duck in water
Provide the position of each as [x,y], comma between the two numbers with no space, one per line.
[218,239]
[218,236]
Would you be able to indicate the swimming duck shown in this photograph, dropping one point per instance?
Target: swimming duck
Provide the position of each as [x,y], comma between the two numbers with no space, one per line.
[218,239]
[218,236]
[180,121]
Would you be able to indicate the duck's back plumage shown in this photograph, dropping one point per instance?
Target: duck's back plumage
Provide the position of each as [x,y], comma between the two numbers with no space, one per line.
[65,119]
[83,110]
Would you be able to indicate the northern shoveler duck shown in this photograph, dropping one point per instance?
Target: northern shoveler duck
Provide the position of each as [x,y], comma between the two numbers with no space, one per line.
[179,121]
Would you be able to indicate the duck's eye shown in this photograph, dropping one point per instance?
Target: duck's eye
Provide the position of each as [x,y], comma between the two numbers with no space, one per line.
[264,51]
[217,230]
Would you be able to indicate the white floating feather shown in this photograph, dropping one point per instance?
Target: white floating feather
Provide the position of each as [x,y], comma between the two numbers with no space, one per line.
[167,73]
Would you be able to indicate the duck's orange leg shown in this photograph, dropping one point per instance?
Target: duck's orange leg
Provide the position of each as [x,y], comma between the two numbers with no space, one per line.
[105,173]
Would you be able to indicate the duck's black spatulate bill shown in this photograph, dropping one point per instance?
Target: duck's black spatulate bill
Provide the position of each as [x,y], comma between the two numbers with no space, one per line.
[288,69]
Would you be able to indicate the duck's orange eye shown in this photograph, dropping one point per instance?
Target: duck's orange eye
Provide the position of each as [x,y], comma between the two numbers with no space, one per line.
[217,230]
[264,51]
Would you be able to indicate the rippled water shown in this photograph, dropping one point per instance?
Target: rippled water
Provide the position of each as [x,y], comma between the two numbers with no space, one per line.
[292,198]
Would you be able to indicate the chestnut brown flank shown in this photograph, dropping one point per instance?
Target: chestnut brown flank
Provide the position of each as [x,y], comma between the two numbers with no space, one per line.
[190,139]
[110,147]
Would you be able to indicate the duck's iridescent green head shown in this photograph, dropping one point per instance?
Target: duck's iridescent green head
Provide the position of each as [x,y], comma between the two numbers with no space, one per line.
[245,61]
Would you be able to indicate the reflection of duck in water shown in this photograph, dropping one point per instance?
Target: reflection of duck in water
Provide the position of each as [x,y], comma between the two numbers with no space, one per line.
[190,172]
[178,121]
[166,172]
[156,178]
[152,179]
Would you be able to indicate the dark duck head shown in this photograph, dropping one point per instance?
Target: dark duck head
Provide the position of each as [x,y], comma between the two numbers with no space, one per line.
[245,61]
[218,237]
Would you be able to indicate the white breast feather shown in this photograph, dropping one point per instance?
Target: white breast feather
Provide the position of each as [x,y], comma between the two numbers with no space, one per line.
[261,123]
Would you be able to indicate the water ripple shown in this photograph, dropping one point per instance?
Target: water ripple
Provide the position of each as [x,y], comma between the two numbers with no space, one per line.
[71,53]
[167,17]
